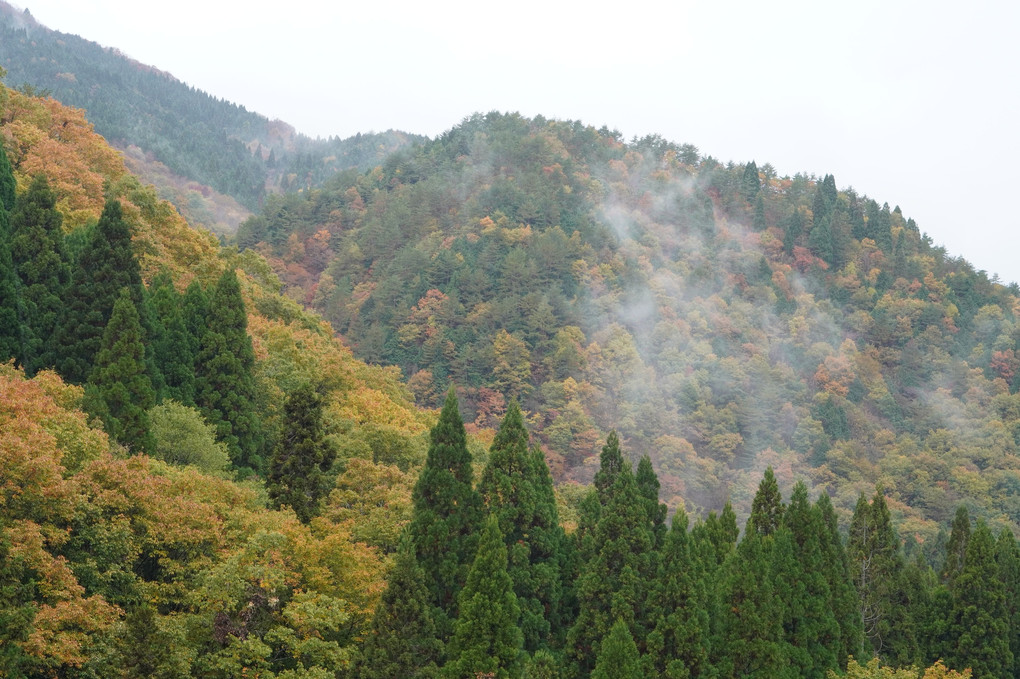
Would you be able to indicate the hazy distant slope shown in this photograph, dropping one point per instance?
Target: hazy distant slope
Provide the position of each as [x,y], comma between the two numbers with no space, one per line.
[209,140]
[722,318]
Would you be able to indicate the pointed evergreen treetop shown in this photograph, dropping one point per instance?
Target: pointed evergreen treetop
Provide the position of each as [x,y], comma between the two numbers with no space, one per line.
[956,548]
[610,464]
[7,182]
[767,506]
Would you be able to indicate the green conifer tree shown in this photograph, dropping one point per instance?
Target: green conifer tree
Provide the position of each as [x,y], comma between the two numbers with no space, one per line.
[447,514]
[843,596]
[487,640]
[37,251]
[750,621]
[610,465]
[105,266]
[759,223]
[10,294]
[120,378]
[302,456]
[195,314]
[513,490]
[809,621]
[8,184]
[678,643]
[956,548]
[878,570]
[1007,554]
[979,628]
[402,641]
[613,584]
[225,381]
[172,345]
[767,506]
[750,183]
[648,487]
[618,656]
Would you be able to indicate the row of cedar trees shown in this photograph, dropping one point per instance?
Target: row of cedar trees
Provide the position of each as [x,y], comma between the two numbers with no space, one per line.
[487,584]
[77,305]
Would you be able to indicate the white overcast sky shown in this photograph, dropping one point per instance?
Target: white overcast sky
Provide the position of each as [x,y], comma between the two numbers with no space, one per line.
[913,102]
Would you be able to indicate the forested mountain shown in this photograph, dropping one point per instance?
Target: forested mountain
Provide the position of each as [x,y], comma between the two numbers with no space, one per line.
[199,478]
[722,318]
[196,136]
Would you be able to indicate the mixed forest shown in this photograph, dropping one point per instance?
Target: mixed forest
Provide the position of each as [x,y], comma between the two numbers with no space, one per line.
[525,400]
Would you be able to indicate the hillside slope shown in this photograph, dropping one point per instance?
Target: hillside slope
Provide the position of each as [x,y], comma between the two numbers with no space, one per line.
[196,136]
[108,555]
[721,317]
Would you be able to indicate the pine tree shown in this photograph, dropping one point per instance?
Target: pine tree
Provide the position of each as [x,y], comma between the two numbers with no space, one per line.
[402,641]
[447,514]
[37,251]
[225,381]
[843,596]
[767,506]
[120,378]
[513,490]
[979,628]
[487,640]
[10,295]
[750,183]
[195,314]
[956,548]
[302,456]
[610,465]
[751,634]
[618,656]
[877,568]
[1007,554]
[172,345]
[105,266]
[648,487]
[7,182]
[678,644]
[613,583]
[809,622]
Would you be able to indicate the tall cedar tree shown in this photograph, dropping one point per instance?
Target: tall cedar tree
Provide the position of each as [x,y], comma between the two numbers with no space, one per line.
[613,583]
[120,379]
[195,313]
[610,465]
[8,184]
[37,250]
[767,506]
[750,625]
[487,640]
[302,456]
[225,384]
[809,623]
[10,295]
[513,489]
[447,514]
[105,266]
[979,627]
[172,346]
[877,569]
[403,641]
[1007,553]
[618,656]
[678,642]
[648,486]
[843,596]
[956,548]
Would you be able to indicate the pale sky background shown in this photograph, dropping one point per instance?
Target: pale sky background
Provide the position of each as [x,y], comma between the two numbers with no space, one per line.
[913,102]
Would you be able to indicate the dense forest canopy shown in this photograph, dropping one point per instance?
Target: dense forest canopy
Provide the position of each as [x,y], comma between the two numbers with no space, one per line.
[720,317]
[198,476]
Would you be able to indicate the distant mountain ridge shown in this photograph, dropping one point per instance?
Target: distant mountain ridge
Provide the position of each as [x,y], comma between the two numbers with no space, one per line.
[197,136]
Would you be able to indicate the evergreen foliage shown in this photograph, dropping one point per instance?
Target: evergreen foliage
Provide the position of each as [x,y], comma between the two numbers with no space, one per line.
[172,345]
[1007,555]
[843,600]
[678,605]
[120,379]
[105,266]
[767,507]
[302,456]
[225,382]
[37,250]
[487,640]
[979,632]
[516,488]
[447,514]
[618,656]
[403,641]
[10,295]
[956,548]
